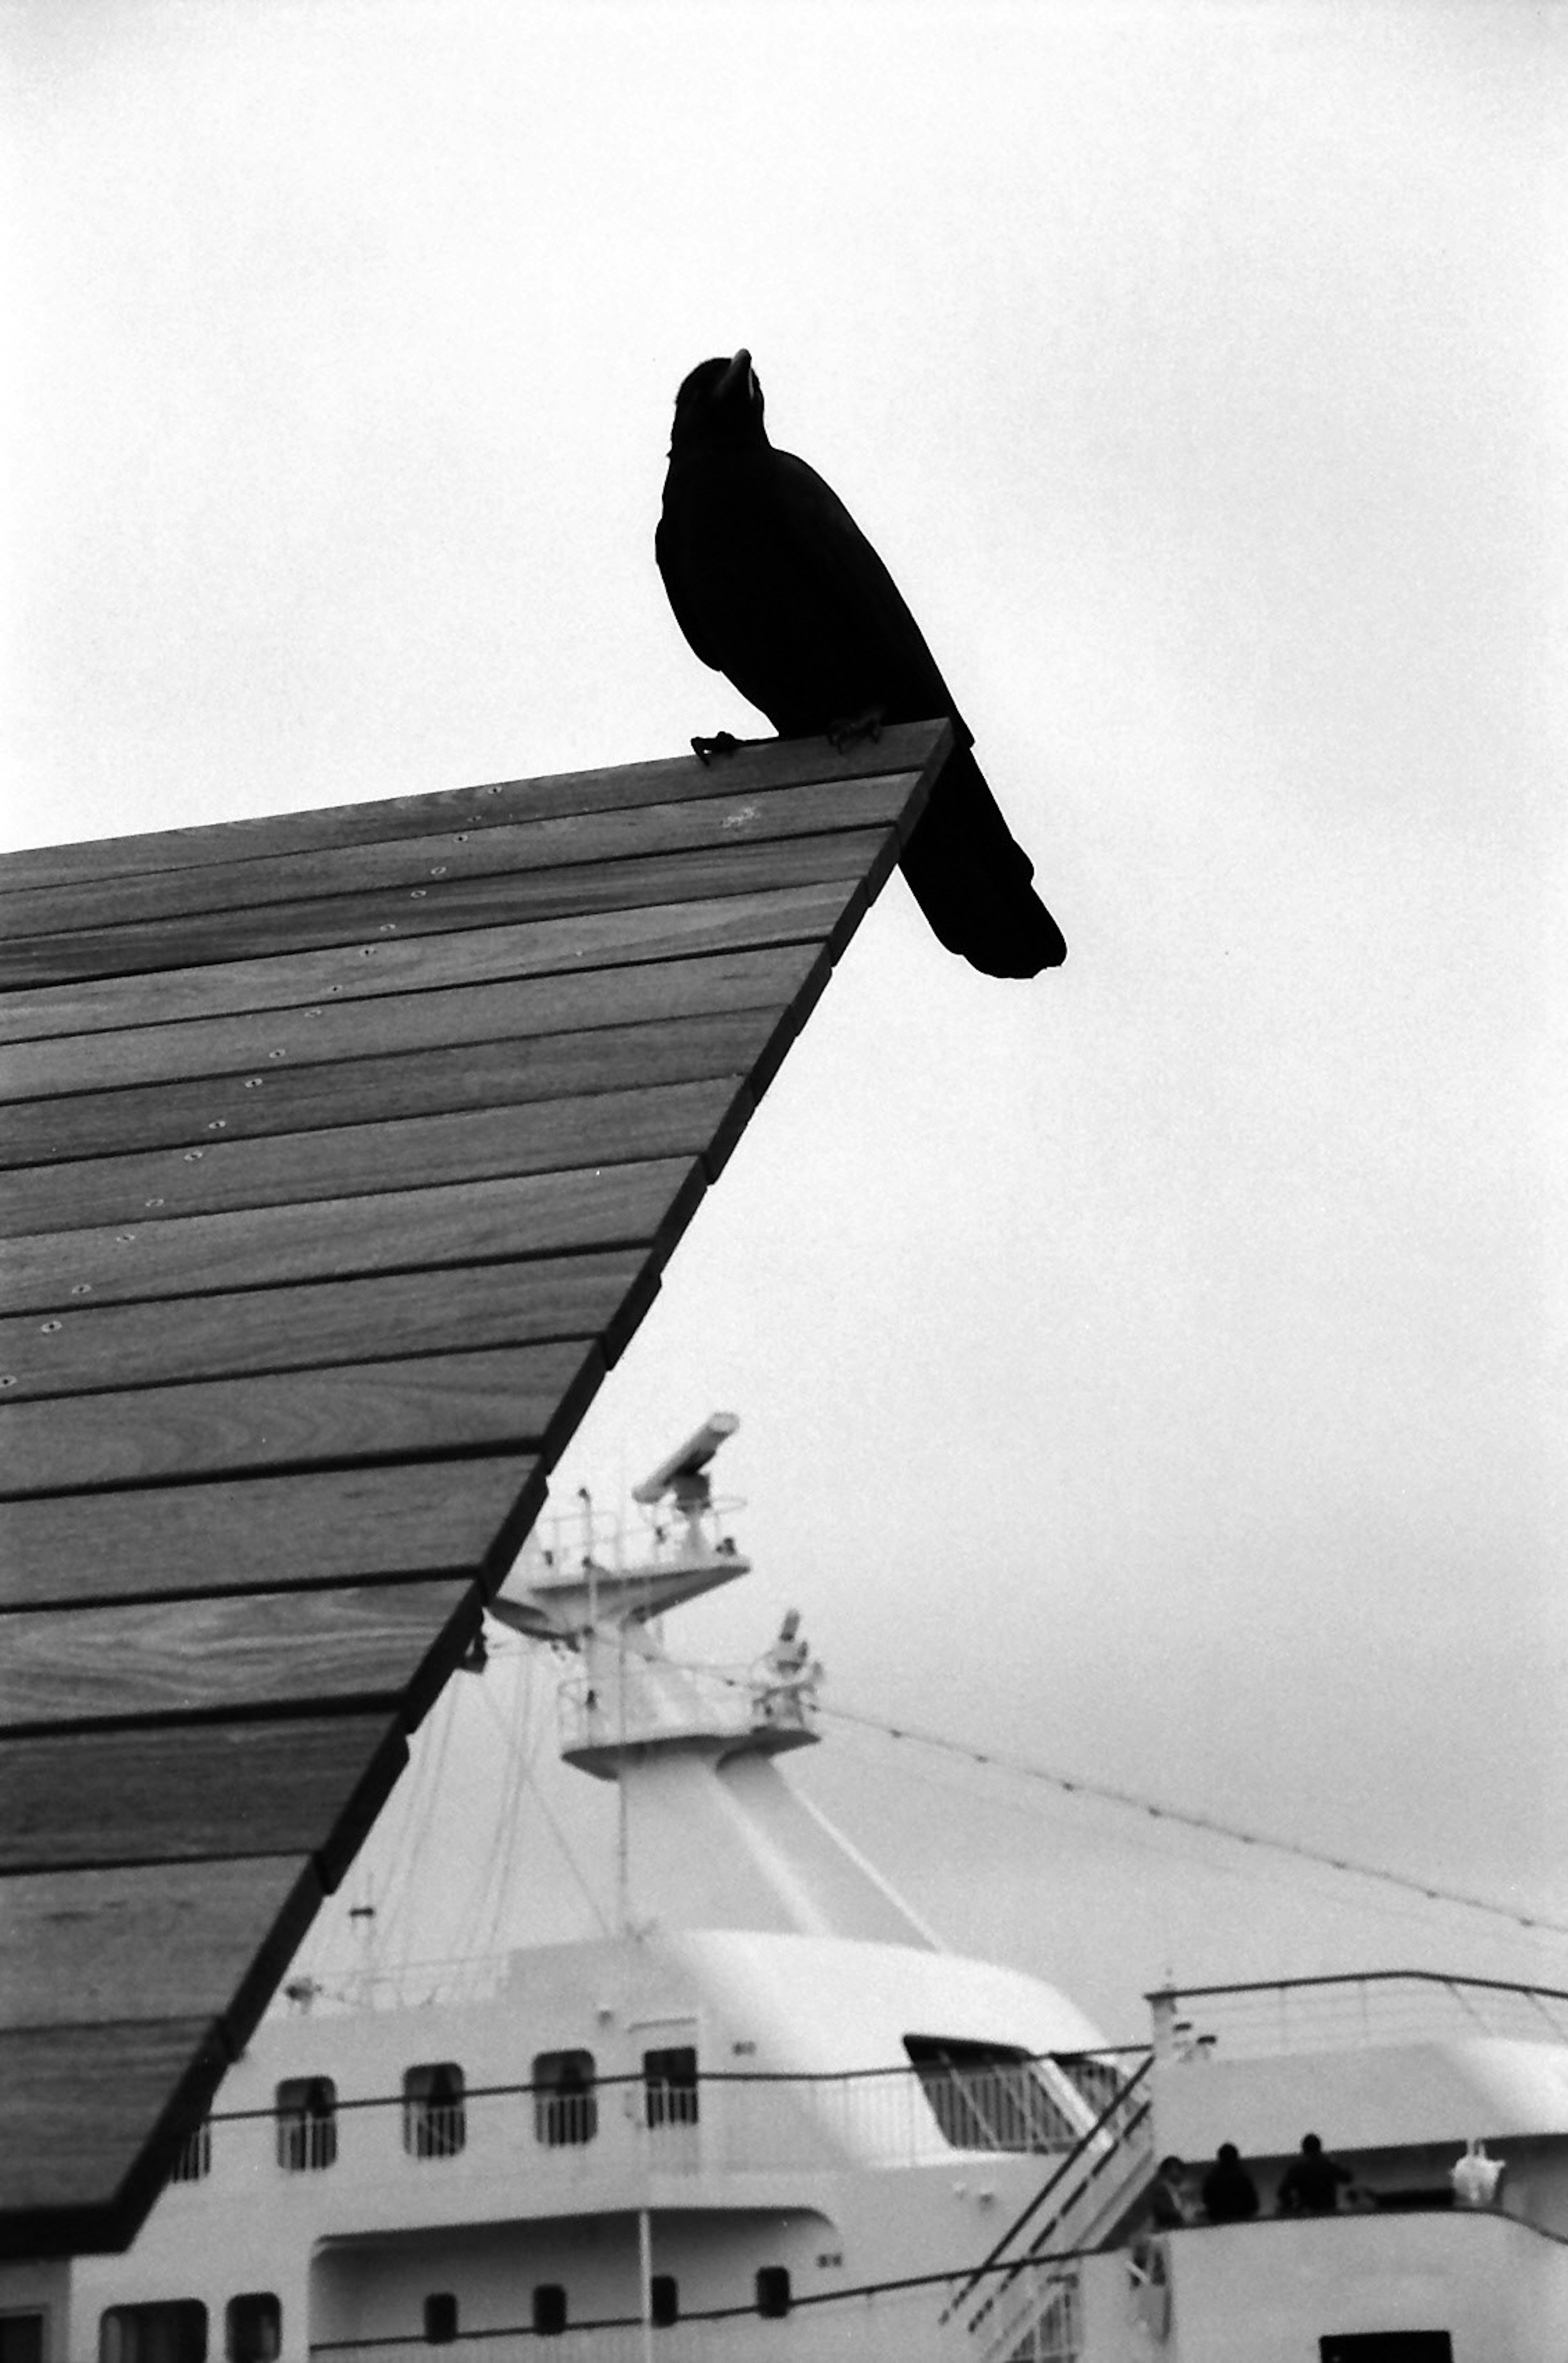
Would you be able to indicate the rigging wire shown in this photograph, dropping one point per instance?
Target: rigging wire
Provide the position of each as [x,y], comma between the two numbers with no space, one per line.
[1410,1912]
[1430,1890]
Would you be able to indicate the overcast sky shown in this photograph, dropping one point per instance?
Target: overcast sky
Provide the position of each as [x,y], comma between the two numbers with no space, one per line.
[1150,1370]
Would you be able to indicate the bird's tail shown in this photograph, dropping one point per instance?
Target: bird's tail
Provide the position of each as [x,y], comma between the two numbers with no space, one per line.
[972,880]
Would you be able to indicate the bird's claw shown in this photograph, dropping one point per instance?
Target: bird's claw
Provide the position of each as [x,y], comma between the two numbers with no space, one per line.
[723,742]
[848,732]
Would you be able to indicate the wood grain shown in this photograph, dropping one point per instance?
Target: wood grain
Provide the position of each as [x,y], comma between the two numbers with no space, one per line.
[181,1940]
[543,1214]
[507,1399]
[85,2107]
[195,1791]
[261,1329]
[699,1119]
[416,866]
[822,914]
[773,763]
[420,1519]
[863,856]
[197,1116]
[519,1009]
[382,1643]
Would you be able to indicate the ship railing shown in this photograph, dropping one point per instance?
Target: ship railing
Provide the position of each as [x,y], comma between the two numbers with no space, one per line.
[839,2325]
[567,2131]
[573,1542]
[1012,2291]
[640,1702]
[1377,2007]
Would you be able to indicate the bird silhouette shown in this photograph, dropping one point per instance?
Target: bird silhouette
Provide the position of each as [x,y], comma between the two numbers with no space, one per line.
[776,587]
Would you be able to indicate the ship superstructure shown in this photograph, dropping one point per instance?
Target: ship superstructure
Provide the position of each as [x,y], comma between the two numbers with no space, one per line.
[767,2114]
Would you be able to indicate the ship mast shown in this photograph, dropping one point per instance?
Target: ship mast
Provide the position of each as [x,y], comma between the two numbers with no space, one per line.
[708,1832]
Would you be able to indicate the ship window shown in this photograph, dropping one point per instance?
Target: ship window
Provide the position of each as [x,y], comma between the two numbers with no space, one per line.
[1387,2346]
[670,2086]
[441,2317]
[174,2332]
[253,2328]
[550,2310]
[566,2109]
[987,2095]
[434,2120]
[195,2159]
[773,2292]
[307,2123]
[21,2338]
[664,2300]
[1098,2080]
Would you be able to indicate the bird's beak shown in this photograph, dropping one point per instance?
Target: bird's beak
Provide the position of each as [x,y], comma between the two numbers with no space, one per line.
[739,368]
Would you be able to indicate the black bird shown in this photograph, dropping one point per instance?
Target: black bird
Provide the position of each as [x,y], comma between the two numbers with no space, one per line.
[775,586]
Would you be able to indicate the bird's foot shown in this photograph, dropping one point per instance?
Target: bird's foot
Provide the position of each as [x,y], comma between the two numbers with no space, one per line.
[723,742]
[852,727]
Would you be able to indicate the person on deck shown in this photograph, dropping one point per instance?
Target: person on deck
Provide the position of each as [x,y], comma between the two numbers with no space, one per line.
[1229,2193]
[1169,2206]
[1311,2184]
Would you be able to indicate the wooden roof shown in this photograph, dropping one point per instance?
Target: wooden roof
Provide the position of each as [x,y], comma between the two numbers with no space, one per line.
[341,1155]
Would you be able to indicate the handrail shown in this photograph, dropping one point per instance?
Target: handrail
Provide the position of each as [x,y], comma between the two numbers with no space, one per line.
[989,2262]
[1352,1977]
[636,2080]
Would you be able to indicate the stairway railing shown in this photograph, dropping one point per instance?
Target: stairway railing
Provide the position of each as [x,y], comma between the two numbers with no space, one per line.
[1121,2134]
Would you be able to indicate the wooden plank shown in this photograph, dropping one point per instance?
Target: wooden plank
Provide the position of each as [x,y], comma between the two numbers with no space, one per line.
[84,2109]
[775,763]
[535,1214]
[197,1116]
[426,1517]
[700,1119]
[519,1304]
[195,1791]
[370,920]
[504,1399]
[418,866]
[182,1940]
[823,913]
[386,1643]
[518,1009]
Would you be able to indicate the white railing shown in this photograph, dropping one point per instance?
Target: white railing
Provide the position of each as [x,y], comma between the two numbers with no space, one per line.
[647,1699]
[1020,2304]
[846,2329]
[1382,2006]
[1038,2320]
[718,2124]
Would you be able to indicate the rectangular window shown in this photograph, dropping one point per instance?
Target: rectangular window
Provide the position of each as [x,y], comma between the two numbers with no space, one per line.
[440,2318]
[194,2160]
[773,2292]
[1387,2346]
[664,2300]
[253,2328]
[670,2086]
[988,2095]
[174,2332]
[307,2123]
[435,2123]
[550,2310]
[21,2338]
[565,2109]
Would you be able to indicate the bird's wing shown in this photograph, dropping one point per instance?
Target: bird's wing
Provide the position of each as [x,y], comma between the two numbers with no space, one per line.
[774,583]
[690,610]
[835,576]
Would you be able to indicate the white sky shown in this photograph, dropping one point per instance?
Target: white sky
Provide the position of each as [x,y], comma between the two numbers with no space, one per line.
[1150,1370]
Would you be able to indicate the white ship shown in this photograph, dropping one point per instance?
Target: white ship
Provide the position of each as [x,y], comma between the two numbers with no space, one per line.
[772,2118]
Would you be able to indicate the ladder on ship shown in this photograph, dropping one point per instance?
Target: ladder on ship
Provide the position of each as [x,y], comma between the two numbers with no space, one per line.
[1019,2304]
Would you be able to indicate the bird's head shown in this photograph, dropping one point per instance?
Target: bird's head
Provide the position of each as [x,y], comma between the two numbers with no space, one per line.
[720,403]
